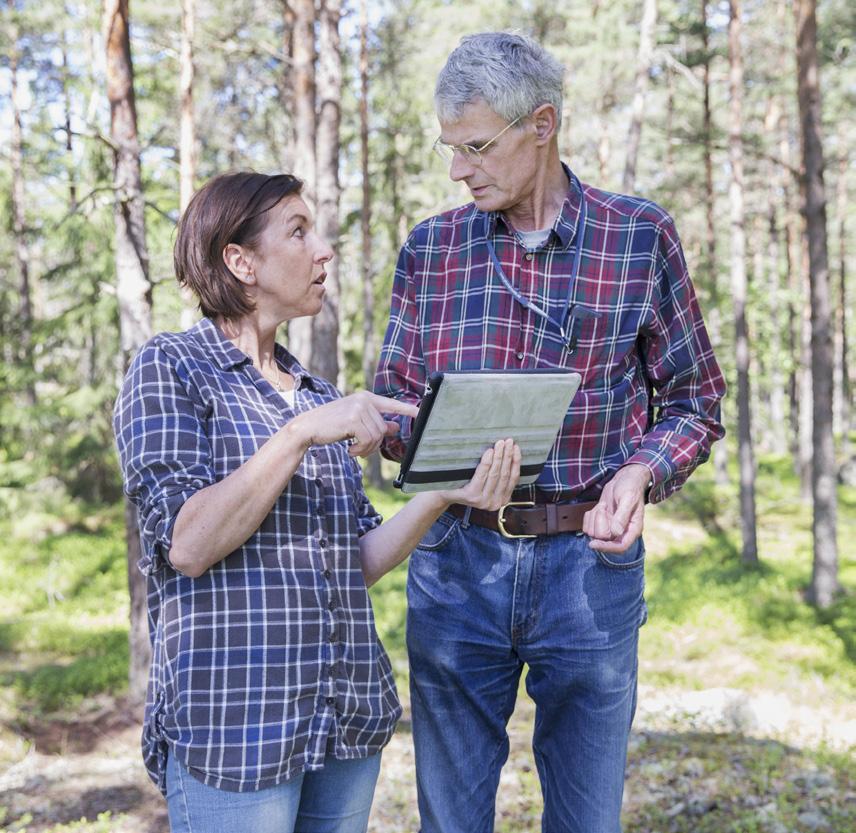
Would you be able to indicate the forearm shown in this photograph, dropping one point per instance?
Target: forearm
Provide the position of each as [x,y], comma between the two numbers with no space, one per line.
[386,546]
[220,518]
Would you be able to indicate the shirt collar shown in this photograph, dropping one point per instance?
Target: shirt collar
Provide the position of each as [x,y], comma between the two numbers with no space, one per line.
[227,356]
[565,225]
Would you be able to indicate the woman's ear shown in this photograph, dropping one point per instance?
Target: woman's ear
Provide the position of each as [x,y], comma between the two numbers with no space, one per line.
[239,262]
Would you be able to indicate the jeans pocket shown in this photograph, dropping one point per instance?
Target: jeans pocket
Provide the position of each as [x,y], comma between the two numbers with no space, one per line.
[440,534]
[632,557]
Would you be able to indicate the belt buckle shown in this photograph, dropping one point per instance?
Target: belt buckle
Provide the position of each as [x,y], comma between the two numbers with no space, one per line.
[500,518]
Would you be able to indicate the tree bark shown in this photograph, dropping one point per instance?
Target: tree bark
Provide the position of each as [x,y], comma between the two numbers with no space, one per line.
[720,450]
[373,469]
[187,140]
[824,580]
[738,289]
[643,67]
[25,355]
[325,360]
[303,73]
[845,404]
[777,424]
[133,288]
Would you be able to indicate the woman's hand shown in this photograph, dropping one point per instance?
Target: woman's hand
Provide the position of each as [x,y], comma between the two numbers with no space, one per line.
[494,480]
[357,418]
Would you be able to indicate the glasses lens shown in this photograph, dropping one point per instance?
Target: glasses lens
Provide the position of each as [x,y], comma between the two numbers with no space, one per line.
[444,151]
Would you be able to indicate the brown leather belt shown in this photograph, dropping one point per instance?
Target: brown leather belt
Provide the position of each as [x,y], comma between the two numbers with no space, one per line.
[526,520]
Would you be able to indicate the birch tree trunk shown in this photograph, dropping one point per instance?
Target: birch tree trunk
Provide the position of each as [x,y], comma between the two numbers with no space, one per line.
[187,141]
[133,288]
[643,67]
[303,74]
[19,222]
[738,289]
[373,470]
[325,359]
[824,580]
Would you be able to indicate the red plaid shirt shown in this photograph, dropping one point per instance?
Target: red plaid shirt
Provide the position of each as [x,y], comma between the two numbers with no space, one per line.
[651,385]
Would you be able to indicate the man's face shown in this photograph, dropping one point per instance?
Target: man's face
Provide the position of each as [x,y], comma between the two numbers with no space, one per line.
[506,173]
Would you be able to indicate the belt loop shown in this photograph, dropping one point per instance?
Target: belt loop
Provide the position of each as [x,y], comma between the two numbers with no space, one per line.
[465,523]
[552,518]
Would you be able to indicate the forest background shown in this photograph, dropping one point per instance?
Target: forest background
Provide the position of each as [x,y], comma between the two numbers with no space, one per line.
[736,117]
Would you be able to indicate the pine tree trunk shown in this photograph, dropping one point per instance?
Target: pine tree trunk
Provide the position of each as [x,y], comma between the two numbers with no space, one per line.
[373,470]
[824,580]
[720,450]
[777,425]
[133,289]
[845,414]
[738,289]
[325,326]
[24,356]
[303,73]
[643,67]
[187,141]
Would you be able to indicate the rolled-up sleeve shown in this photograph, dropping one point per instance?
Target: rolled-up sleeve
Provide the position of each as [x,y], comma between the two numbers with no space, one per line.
[164,450]
[687,382]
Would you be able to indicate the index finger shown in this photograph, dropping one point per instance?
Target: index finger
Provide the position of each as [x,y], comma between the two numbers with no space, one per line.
[386,405]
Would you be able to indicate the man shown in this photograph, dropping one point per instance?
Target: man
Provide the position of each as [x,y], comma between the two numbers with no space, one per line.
[541,271]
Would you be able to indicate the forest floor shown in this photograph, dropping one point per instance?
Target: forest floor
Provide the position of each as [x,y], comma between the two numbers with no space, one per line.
[746,720]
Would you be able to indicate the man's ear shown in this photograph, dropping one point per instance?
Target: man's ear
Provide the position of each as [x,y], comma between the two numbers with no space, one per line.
[546,122]
[239,262]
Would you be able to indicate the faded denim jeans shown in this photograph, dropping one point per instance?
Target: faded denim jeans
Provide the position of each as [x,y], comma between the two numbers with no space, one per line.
[480,607]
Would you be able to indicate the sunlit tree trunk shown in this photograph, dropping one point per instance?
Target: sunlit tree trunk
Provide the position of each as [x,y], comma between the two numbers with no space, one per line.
[303,84]
[373,470]
[824,580]
[326,360]
[133,288]
[643,67]
[187,142]
[19,223]
[738,289]
[777,425]
[844,392]
[720,450]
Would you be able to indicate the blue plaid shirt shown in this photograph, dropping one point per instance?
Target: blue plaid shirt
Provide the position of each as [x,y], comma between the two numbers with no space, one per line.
[269,660]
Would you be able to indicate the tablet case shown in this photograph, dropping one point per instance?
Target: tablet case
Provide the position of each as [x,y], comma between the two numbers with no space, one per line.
[463,413]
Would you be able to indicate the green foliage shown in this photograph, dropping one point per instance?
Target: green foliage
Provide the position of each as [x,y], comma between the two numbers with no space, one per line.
[65,608]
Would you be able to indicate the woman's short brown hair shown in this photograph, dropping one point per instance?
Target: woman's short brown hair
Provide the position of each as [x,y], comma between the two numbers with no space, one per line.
[230,208]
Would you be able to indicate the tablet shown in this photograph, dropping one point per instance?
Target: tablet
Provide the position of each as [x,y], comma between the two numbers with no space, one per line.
[465,412]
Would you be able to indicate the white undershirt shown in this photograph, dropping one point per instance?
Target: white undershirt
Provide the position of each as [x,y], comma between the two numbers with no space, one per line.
[288,396]
[533,239]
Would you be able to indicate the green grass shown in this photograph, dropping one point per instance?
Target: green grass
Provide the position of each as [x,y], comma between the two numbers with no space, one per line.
[63,631]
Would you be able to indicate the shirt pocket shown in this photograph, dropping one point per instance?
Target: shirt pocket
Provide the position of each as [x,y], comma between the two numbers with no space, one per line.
[593,350]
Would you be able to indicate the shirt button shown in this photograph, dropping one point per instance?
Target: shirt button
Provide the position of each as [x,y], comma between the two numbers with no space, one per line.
[529,255]
[314,453]
[331,605]
[330,671]
[520,356]
[322,543]
[319,481]
[331,701]
[327,573]
[332,637]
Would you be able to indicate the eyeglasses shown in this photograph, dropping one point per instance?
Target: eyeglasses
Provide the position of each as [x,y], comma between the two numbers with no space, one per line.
[472,154]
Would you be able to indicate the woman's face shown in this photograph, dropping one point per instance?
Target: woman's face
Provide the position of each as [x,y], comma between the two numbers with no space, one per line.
[288,262]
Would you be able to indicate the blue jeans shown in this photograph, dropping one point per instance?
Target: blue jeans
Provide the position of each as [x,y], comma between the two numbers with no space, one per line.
[335,799]
[480,606]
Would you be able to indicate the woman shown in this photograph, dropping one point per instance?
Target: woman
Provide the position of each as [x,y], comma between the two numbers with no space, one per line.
[270,696]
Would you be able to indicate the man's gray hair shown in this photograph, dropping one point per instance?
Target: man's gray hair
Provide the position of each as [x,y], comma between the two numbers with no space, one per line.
[511,73]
